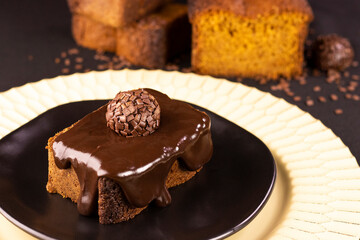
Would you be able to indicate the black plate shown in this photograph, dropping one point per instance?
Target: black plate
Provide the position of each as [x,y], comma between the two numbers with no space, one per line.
[224,197]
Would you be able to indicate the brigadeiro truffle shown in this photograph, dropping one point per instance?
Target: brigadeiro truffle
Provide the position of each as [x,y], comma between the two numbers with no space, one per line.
[332,52]
[133,113]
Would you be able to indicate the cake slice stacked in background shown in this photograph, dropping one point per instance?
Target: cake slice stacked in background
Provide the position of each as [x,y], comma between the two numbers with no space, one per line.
[146,32]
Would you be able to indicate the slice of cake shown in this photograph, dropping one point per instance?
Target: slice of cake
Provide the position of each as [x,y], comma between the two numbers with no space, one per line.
[153,40]
[115,13]
[125,155]
[249,38]
[149,42]
[93,34]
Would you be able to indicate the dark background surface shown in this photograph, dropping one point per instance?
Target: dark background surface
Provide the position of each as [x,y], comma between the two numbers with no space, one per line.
[34,33]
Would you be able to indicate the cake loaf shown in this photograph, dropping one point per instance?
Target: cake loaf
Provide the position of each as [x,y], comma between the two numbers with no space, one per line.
[115,13]
[153,40]
[249,38]
[96,167]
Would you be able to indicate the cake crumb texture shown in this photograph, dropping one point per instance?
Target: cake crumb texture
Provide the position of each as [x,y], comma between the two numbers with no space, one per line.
[93,34]
[249,38]
[62,181]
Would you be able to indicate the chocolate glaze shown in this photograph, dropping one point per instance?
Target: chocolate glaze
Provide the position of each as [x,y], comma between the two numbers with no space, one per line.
[140,165]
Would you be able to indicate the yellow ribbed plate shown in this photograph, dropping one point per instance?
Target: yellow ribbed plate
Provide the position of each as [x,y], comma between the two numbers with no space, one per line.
[317,192]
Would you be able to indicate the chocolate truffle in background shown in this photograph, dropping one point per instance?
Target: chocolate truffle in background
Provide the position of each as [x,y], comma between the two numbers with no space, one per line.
[332,52]
[133,113]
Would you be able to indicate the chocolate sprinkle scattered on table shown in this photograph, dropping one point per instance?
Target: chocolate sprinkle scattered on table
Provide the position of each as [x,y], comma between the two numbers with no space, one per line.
[322,99]
[67,62]
[355,77]
[78,66]
[338,111]
[73,51]
[333,76]
[317,89]
[297,98]
[133,113]
[351,88]
[309,102]
[65,70]
[79,59]
[334,97]
[348,96]
[342,89]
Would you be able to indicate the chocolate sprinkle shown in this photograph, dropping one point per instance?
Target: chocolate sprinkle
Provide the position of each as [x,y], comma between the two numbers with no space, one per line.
[355,77]
[79,59]
[342,89]
[78,66]
[322,99]
[356,97]
[65,70]
[334,97]
[348,96]
[73,51]
[317,89]
[297,98]
[67,62]
[338,111]
[333,76]
[309,102]
[133,113]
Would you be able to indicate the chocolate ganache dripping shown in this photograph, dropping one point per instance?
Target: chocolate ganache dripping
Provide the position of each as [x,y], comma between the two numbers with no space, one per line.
[140,165]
